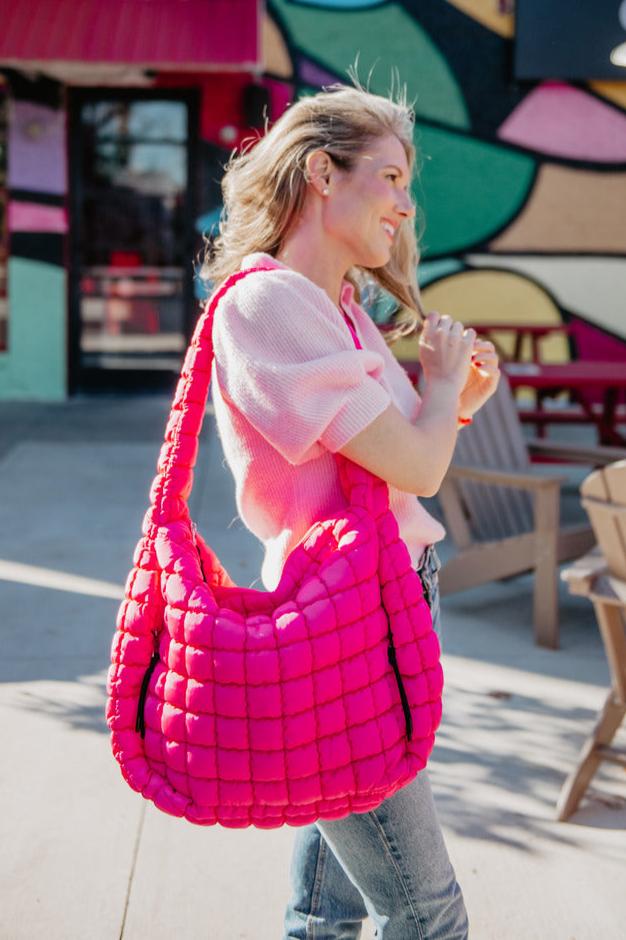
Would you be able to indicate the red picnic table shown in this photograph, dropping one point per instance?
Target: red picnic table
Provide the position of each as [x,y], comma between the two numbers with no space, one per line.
[524,334]
[607,378]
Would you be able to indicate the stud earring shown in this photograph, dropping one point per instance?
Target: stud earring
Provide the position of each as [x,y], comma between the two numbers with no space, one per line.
[325,191]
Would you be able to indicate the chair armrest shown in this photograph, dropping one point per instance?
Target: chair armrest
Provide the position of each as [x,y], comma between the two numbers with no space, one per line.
[596,455]
[609,590]
[512,478]
[589,575]
[580,575]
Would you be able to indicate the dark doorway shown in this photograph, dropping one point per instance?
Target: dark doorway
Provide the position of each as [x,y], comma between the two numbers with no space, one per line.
[132,165]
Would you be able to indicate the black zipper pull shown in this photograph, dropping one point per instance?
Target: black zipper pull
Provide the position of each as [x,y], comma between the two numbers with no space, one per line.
[393,661]
[140,723]
[408,718]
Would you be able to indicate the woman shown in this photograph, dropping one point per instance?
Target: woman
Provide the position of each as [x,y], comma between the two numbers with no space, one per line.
[323,199]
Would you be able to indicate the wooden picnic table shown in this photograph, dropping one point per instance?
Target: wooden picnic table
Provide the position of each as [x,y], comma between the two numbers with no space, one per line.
[535,332]
[608,378]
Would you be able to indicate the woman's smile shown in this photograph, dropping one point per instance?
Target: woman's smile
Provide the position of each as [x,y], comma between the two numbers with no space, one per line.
[388,228]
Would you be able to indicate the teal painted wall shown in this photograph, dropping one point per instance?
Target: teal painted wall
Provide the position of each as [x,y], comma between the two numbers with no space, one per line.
[35,365]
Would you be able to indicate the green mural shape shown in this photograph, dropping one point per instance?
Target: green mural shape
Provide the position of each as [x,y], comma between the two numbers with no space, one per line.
[429,271]
[35,365]
[386,38]
[468,189]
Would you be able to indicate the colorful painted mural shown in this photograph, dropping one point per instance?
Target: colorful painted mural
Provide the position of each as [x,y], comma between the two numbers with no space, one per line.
[522,185]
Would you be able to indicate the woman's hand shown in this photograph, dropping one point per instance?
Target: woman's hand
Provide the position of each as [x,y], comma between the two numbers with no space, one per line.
[482,379]
[445,351]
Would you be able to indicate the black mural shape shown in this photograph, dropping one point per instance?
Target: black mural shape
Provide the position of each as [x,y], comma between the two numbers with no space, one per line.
[46,247]
[480,60]
[43,199]
[211,162]
[40,90]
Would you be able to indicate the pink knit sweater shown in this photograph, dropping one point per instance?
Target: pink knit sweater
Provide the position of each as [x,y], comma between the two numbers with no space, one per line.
[289,388]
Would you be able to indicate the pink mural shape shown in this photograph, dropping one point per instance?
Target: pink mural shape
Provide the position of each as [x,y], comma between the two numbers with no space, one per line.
[30,217]
[593,343]
[36,152]
[556,118]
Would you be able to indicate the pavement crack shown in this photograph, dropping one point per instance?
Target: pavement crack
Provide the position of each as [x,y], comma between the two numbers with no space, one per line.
[132,868]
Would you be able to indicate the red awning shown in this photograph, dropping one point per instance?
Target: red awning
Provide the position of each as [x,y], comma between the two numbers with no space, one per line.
[174,34]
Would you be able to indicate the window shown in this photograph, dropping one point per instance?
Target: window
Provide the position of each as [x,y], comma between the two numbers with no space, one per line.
[134,252]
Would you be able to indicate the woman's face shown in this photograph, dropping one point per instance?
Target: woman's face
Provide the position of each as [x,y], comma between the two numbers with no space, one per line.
[364,207]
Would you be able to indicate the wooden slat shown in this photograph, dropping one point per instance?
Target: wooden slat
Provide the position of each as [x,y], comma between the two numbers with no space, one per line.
[609,720]
[456,521]
[545,598]
[485,504]
[597,456]
[618,511]
[610,533]
[574,541]
[495,440]
[506,448]
[506,478]
[580,575]
[615,476]
[594,487]
[613,754]
[487,561]
[611,623]
[489,512]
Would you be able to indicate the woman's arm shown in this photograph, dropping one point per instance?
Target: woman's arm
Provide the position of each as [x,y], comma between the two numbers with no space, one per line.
[415,457]
[412,457]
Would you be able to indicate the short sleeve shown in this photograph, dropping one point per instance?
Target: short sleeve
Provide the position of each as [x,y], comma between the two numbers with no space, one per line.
[285,359]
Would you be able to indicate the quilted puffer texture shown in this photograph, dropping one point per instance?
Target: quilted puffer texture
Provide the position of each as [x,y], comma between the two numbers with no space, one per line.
[242,707]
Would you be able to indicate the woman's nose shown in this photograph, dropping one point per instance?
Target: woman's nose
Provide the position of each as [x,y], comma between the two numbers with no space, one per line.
[406,206]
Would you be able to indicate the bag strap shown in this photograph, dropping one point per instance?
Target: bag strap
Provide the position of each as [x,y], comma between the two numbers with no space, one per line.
[173,483]
[352,329]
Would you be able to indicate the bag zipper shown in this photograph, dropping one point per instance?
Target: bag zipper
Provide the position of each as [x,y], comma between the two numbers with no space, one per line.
[194,533]
[392,656]
[140,722]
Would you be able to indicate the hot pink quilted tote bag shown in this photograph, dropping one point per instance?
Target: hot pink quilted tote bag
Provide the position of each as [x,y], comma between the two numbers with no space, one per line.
[252,708]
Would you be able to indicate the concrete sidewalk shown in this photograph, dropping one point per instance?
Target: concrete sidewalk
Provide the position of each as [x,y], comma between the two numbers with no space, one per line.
[85,857]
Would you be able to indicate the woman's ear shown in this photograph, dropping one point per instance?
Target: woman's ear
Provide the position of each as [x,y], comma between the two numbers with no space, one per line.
[317,170]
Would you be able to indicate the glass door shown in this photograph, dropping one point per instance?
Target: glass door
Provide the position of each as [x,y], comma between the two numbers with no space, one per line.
[132,237]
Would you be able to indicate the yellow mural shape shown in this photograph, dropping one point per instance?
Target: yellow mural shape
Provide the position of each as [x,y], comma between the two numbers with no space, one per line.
[570,210]
[613,91]
[275,56]
[487,13]
[478,298]
[592,287]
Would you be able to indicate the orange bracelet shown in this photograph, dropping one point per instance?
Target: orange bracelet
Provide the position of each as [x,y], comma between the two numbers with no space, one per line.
[463,422]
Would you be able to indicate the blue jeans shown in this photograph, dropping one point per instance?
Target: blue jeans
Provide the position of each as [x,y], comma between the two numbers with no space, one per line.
[390,863]
[428,569]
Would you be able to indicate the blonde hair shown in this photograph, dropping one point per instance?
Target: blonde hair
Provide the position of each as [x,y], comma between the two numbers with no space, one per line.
[264,188]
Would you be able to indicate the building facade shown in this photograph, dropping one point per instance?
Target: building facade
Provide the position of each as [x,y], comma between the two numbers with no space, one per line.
[116,120]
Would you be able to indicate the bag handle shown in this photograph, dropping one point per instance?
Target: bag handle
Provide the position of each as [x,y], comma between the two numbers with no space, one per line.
[173,483]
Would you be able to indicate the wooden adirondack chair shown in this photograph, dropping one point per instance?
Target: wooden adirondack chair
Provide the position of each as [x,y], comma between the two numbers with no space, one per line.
[601,576]
[503,518]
